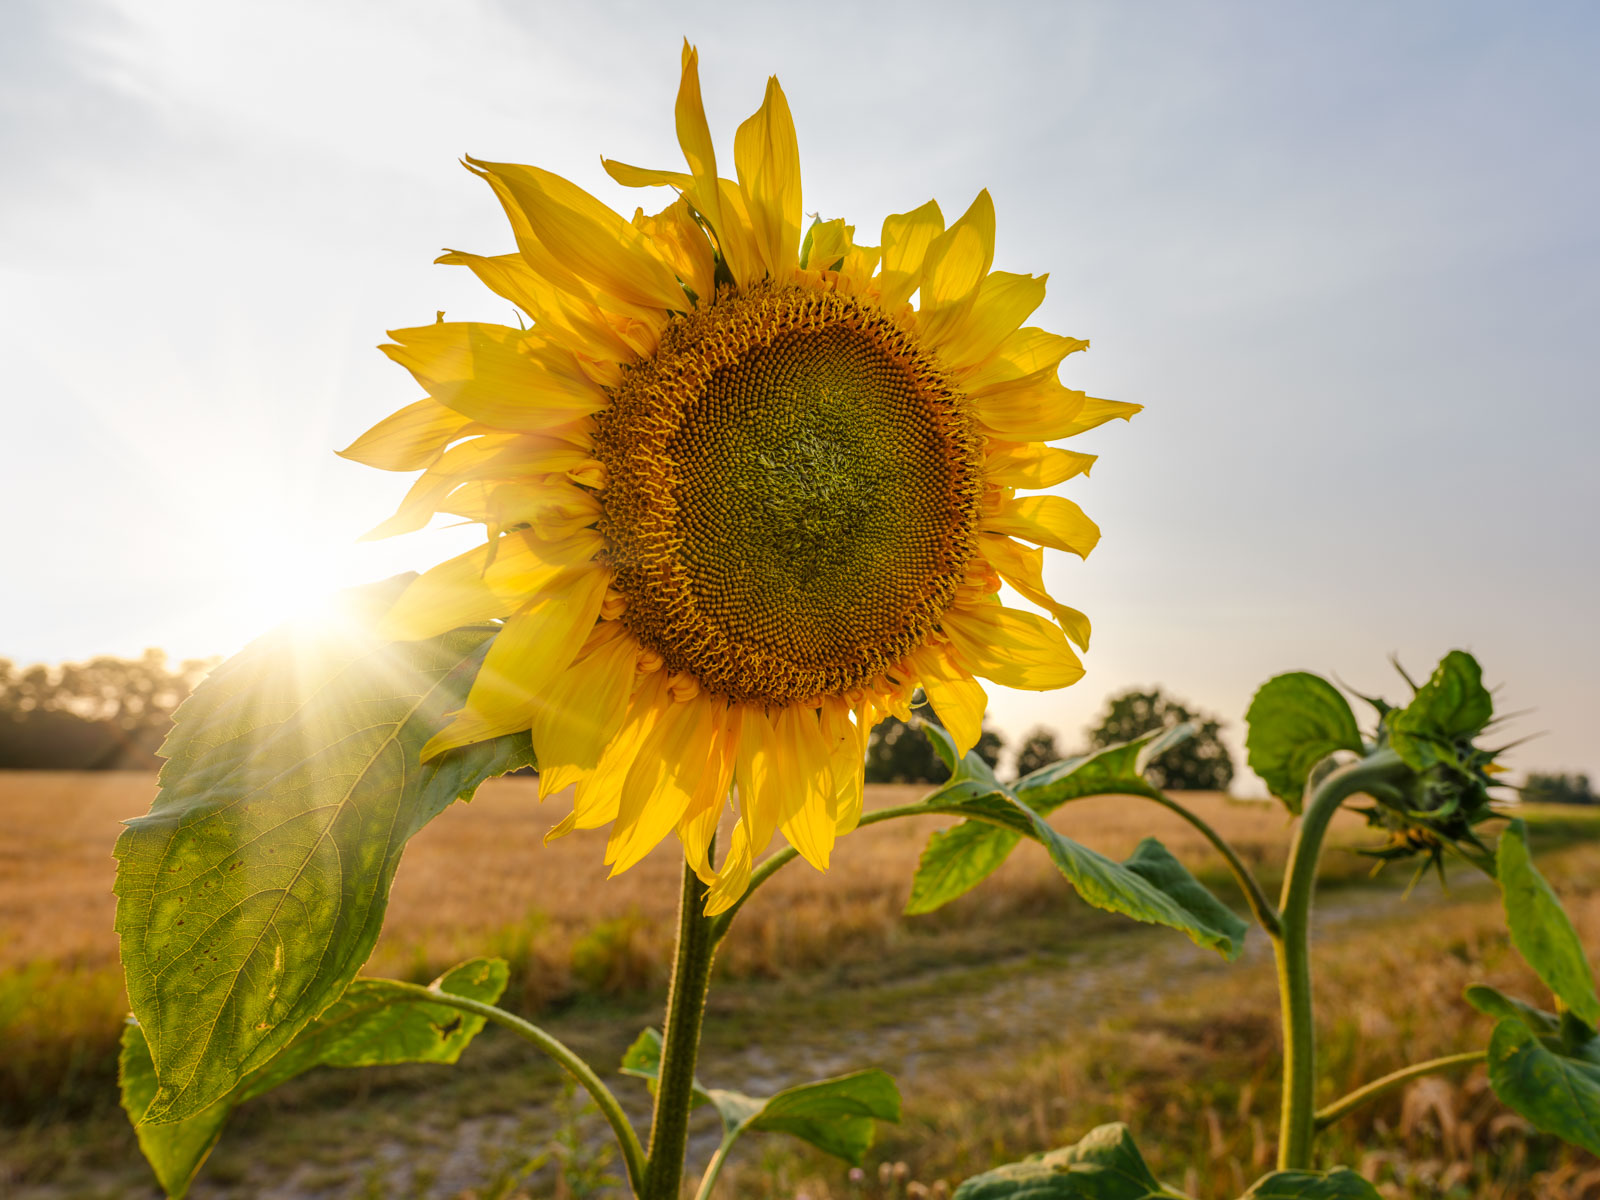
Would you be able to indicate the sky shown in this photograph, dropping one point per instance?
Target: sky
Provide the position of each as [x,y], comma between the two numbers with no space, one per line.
[1346,255]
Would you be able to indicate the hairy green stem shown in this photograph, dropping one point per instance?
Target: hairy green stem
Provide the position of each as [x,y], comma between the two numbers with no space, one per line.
[1297,1125]
[1371,1091]
[686,1004]
[632,1151]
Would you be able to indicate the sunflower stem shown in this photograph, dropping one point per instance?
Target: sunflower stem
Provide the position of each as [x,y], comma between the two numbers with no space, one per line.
[686,1006]
[1371,1091]
[1292,947]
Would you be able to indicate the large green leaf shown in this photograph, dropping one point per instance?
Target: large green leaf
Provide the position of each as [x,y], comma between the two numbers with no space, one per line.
[254,889]
[1539,926]
[1295,721]
[1341,1183]
[835,1115]
[958,859]
[955,861]
[1452,707]
[1492,1002]
[1151,886]
[1557,1093]
[838,1116]
[374,1023]
[1105,1165]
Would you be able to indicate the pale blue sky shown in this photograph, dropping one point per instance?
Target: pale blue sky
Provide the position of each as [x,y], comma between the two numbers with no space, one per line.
[1346,255]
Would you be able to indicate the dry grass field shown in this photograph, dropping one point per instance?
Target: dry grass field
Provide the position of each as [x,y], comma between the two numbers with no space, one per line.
[823,965]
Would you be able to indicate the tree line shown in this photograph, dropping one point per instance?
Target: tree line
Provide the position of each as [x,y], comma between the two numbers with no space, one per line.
[899,753]
[105,714]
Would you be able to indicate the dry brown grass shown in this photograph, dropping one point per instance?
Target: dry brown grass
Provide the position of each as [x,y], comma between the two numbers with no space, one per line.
[479,880]
[479,876]
[1196,1077]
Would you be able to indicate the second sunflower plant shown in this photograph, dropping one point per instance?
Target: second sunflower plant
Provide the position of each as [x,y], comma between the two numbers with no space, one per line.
[748,488]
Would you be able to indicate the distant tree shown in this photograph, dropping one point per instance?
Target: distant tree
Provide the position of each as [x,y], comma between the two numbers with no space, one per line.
[898,752]
[1201,763]
[1543,788]
[1038,750]
[106,712]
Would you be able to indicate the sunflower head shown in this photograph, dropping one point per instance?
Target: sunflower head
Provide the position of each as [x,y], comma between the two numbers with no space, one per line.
[745,493]
[1438,804]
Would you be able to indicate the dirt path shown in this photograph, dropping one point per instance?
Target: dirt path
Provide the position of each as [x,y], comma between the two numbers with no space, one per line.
[759,1040]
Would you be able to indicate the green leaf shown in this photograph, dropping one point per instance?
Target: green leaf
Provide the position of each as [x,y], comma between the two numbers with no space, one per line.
[374,1023]
[958,859]
[1341,1183]
[1559,1095]
[835,1115]
[1492,1002]
[1105,1165]
[1155,863]
[1296,721]
[1151,886]
[176,1151]
[1452,706]
[254,889]
[1539,926]
[642,1060]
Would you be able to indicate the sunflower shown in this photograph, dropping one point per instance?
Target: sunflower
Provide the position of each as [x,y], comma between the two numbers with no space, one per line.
[743,498]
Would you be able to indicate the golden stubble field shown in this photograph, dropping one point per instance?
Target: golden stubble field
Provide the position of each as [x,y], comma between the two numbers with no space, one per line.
[479,874]
[1187,1055]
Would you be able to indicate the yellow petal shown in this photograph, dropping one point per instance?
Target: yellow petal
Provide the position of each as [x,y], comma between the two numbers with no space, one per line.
[491,457]
[1034,408]
[493,580]
[662,781]
[955,265]
[829,243]
[767,157]
[683,243]
[1003,303]
[808,766]
[694,137]
[766,798]
[1025,352]
[576,322]
[584,708]
[598,797]
[500,376]
[530,651]
[1023,568]
[847,757]
[906,238]
[699,823]
[737,236]
[1052,521]
[589,239]
[1014,649]
[1097,412]
[733,877]
[958,698]
[1033,464]
[409,439]
[427,494]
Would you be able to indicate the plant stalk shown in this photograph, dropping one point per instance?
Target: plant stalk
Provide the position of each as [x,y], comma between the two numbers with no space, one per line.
[714,1167]
[1297,1125]
[1371,1091]
[686,1004]
[627,1139]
